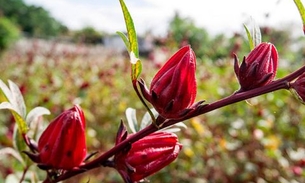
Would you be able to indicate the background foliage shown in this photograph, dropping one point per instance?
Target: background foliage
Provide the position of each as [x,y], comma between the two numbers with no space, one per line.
[259,140]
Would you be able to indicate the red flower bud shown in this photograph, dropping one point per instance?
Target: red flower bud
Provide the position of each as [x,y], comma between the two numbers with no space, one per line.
[63,144]
[173,88]
[258,68]
[148,155]
[298,88]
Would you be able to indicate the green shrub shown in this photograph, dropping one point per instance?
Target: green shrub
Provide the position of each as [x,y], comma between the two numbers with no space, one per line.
[9,33]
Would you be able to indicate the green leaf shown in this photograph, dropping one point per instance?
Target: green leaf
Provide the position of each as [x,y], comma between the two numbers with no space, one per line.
[8,151]
[301,9]
[12,178]
[251,44]
[19,120]
[5,92]
[132,119]
[35,113]
[136,70]
[20,146]
[22,126]
[131,32]
[147,120]
[12,100]
[125,39]
[136,66]
[256,37]
[175,128]
[17,99]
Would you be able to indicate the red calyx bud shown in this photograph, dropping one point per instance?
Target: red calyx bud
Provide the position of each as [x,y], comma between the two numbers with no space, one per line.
[173,89]
[63,144]
[148,155]
[298,88]
[258,68]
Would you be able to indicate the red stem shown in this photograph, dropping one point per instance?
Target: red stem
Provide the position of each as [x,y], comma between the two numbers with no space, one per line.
[283,83]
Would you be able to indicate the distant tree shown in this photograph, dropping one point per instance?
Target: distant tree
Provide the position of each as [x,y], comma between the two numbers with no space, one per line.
[33,20]
[183,30]
[88,35]
[9,32]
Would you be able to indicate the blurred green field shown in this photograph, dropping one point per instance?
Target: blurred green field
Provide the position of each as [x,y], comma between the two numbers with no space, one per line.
[259,140]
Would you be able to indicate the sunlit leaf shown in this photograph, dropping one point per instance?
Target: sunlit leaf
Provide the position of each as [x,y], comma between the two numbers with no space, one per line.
[133,43]
[136,70]
[175,128]
[301,9]
[8,151]
[19,120]
[5,92]
[17,99]
[36,112]
[146,120]
[12,178]
[132,119]
[131,32]
[12,100]
[6,105]
[22,125]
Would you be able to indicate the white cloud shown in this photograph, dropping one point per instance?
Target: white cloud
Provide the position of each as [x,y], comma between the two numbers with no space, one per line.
[217,16]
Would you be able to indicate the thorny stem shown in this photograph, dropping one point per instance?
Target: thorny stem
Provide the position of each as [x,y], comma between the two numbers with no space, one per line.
[283,83]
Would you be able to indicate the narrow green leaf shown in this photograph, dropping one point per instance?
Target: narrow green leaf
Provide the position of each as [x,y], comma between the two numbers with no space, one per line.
[301,9]
[251,44]
[254,38]
[132,41]
[125,39]
[131,32]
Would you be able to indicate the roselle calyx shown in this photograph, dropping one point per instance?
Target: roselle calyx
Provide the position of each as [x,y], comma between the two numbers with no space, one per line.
[298,88]
[147,156]
[173,89]
[258,68]
[62,145]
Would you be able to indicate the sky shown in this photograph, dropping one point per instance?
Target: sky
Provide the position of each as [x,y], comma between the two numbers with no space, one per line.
[216,16]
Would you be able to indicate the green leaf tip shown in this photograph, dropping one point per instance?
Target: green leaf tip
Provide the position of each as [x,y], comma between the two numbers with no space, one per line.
[131,32]
[131,42]
[254,38]
[301,9]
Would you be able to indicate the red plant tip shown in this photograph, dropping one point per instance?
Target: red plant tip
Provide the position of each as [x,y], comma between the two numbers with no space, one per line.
[258,68]
[63,143]
[173,89]
[298,88]
[147,156]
